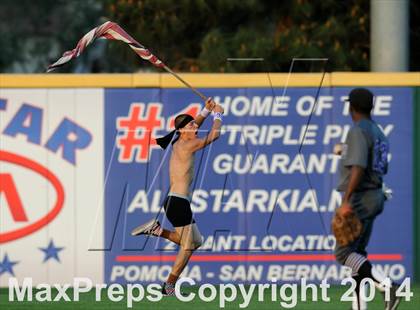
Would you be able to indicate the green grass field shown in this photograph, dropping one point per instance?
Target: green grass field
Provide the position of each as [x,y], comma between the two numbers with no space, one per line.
[169,303]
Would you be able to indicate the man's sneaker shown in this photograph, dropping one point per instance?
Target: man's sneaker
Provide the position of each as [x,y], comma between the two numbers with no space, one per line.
[152,227]
[168,289]
[394,301]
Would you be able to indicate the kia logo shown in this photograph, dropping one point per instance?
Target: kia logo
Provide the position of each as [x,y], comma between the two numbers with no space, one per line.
[8,189]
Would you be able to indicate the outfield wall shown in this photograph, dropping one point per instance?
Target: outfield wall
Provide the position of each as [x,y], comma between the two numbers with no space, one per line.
[78,174]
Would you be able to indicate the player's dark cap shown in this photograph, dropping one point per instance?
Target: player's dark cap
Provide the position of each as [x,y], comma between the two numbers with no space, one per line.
[361,100]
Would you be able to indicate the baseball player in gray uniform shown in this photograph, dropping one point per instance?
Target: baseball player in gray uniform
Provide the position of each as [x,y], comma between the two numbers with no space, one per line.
[364,161]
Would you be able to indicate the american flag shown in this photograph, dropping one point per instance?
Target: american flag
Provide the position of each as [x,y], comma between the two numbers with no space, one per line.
[111,31]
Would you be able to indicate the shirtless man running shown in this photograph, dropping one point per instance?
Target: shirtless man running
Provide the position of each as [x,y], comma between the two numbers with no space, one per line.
[177,203]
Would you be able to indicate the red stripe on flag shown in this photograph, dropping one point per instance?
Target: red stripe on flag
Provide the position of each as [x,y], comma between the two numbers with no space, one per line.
[108,36]
[254,258]
[143,53]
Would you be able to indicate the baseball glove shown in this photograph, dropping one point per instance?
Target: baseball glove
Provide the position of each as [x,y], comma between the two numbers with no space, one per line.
[346,227]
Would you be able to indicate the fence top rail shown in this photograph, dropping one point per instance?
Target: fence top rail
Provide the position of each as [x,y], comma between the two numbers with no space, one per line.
[208,80]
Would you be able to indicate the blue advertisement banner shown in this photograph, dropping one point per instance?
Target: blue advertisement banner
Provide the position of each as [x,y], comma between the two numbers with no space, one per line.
[263,193]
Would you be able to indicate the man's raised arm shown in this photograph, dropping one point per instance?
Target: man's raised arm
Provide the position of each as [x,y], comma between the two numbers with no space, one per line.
[214,133]
[209,106]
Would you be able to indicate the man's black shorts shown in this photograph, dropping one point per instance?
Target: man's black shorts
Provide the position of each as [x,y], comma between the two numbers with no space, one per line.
[178,211]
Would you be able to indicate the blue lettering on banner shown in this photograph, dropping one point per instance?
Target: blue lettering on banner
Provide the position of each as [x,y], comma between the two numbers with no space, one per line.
[70,137]
[26,114]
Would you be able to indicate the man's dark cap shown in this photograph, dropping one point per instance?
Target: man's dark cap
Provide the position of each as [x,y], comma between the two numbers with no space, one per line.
[180,122]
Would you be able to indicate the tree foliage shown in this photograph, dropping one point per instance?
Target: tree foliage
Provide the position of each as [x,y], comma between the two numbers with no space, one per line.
[34,33]
[191,35]
[199,35]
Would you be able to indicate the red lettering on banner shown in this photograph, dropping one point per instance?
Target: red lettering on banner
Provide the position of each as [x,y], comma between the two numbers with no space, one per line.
[8,187]
[137,128]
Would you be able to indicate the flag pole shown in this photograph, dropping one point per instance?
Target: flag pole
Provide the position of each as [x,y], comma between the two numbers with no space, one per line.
[195,91]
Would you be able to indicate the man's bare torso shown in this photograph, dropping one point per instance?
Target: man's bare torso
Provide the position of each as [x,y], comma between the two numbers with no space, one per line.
[181,169]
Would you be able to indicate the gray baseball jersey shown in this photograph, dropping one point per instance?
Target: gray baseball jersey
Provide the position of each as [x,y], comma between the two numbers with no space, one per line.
[366,146]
